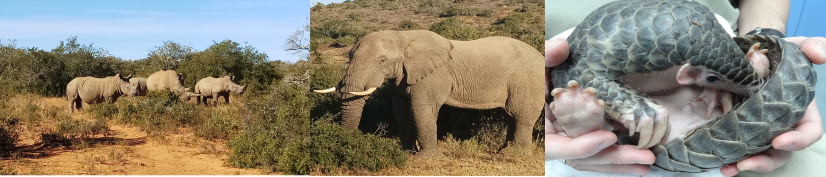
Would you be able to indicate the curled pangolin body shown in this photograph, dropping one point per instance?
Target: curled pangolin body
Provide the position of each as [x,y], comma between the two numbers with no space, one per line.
[643,36]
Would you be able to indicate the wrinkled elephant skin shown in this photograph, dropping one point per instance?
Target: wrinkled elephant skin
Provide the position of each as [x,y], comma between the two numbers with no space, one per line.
[430,71]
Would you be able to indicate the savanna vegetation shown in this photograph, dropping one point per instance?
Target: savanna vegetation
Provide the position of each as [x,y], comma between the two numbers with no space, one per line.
[471,140]
[267,127]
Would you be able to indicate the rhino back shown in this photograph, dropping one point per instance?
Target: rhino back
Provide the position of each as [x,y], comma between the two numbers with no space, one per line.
[95,90]
[164,80]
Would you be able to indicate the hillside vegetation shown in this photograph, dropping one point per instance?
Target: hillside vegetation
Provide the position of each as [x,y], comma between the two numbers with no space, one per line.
[265,128]
[470,139]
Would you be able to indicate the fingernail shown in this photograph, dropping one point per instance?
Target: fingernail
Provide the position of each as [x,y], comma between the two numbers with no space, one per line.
[604,144]
[822,50]
[638,162]
[788,147]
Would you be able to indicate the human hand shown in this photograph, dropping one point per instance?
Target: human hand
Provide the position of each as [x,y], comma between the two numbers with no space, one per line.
[594,151]
[807,131]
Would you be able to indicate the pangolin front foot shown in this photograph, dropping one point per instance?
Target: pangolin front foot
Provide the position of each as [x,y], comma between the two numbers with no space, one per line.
[651,128]
[577,110]
[715,98]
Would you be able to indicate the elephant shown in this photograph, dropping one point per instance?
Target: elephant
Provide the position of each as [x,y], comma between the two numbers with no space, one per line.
[140,85]
[211,87]
[93,90]
[430,71]
[172,81]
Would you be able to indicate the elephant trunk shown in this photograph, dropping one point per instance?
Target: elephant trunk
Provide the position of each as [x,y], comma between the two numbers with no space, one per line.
[351,109]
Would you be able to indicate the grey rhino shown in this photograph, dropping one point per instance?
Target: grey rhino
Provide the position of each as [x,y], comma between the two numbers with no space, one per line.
[172,81]
[140,85]
[93,90]
[211,87]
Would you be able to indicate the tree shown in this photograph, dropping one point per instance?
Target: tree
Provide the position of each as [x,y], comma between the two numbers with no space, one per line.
[299,42]
[169,56]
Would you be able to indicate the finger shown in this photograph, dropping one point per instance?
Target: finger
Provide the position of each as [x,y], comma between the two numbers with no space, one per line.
[556,52]
[766,161]
[813,47]
[618,154]
[624,168]
[562,147]
[549,127]
[807,131]
[729,170]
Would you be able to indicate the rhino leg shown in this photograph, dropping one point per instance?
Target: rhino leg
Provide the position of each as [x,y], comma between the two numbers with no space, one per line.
[226,98]
[215,99]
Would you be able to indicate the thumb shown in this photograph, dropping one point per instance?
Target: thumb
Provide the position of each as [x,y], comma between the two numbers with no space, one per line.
[562,147]
[556,51]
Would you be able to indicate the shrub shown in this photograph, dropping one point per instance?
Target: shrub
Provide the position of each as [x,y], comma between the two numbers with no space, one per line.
[8,132]
[456,11]
[217,126]
[409,25]
[80,128]
[454,28]
[470,148]
[274,121]
[331,147]
[435,7]
[318,6]
[356,17]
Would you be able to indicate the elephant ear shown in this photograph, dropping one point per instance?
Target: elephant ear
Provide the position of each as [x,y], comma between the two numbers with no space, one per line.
[425,52]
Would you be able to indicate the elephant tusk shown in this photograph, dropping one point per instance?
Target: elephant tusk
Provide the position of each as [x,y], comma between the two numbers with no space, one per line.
[331,89]
[367,92]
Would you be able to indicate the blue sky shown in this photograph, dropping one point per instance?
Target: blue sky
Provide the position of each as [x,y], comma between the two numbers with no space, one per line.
[129,29]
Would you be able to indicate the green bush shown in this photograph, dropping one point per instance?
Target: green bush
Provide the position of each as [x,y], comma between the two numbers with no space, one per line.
[317,6]
[273,122]
[8,132]
[409,25]
[331,147]
[356,17]
[217,126]
[80,128]
[457,11]
[456,29]
[435,7]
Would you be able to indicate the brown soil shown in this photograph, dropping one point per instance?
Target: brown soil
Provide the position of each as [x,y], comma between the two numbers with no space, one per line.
[124,151]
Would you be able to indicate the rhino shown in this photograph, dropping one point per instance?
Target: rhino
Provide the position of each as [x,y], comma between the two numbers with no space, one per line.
[172,81]
[211,87]
[140,85]
[93,90]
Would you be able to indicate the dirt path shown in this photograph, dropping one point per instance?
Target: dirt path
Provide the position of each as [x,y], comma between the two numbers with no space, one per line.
[125,151]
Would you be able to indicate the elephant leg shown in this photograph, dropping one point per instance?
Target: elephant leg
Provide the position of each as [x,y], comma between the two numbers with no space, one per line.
[407,133]
[525,111]
[425,104]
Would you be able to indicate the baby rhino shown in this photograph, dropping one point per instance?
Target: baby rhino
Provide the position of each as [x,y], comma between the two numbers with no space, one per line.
[211,87]
[92,90]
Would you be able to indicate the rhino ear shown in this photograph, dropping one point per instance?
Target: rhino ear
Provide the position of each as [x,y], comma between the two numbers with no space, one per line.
[117,75]
[187,89]
[232,78]
[128,77]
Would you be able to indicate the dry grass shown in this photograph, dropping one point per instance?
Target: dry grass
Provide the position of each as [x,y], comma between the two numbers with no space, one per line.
[123,150]
[507,163]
